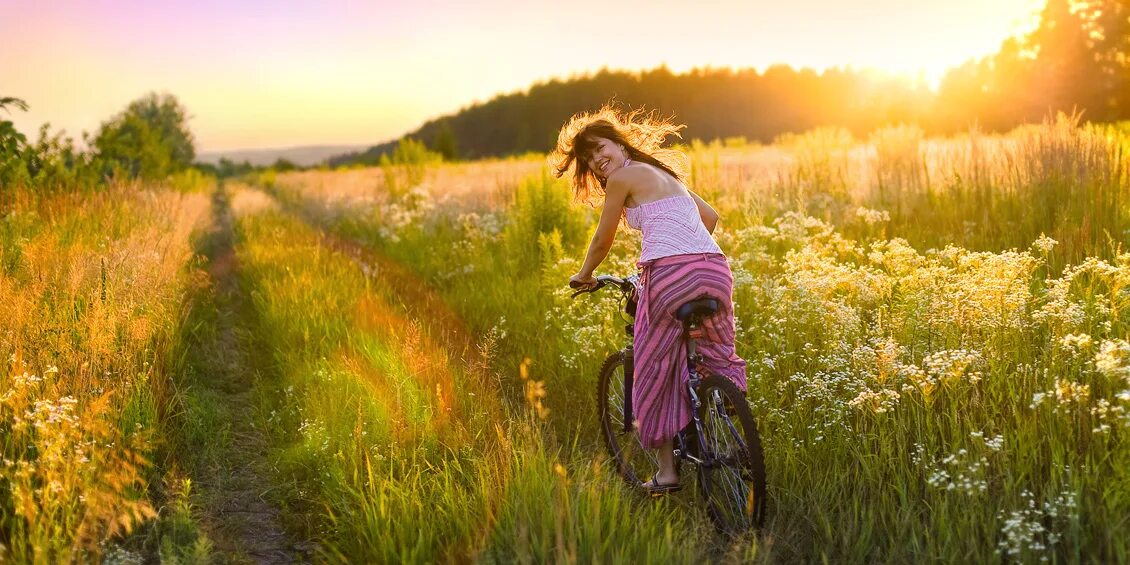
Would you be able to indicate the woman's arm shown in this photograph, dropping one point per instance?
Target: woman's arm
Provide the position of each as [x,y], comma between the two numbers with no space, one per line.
[708,215]
[614,196]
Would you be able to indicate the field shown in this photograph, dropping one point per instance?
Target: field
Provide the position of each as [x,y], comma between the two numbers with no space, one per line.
[384,364]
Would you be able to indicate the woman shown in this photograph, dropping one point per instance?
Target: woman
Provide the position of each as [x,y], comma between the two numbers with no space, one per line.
[618,157]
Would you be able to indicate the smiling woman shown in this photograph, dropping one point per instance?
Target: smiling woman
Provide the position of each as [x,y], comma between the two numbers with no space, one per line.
[679,262]
[591,139]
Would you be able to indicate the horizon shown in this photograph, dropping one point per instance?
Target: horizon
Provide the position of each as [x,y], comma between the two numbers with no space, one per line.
[272,76]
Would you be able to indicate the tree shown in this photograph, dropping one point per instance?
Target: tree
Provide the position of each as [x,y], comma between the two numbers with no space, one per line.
[445,143]
[12,145]
[149,140]
[12,141]
[1107,24]
[283,165]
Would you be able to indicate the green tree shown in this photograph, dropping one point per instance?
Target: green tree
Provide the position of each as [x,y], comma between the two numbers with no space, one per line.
[445,143]
[12,144]
[149,140]
[11,140]
[1107,26]
[228,168]
[283,165]
[1062,68]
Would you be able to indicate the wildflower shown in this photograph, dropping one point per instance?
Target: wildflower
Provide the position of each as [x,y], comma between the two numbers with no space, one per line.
[1076,342]
[960,472]
[1067,391]
[1106,413]
[535,393]
[871,217]
[1028,530]
[1044,244]
[877,401]
[952,365]
[1113,359]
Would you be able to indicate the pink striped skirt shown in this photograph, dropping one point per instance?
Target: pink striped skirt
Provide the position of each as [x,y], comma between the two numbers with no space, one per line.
[659,391]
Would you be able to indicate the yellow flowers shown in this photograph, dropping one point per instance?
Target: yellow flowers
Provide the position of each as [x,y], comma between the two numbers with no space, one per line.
[535,390]
[1067,391]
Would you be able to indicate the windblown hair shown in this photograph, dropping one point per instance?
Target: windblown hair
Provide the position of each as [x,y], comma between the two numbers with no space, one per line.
[641,133]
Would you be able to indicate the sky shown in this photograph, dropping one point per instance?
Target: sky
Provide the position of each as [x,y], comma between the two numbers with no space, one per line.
[281,73]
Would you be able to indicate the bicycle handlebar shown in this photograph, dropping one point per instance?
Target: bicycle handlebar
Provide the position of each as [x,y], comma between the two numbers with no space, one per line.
[601,282]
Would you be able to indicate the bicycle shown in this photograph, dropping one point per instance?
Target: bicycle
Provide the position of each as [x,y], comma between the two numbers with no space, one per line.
[721,440]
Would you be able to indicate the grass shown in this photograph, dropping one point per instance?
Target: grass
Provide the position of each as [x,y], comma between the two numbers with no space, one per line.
[937,330]
[92,301]
[389,430]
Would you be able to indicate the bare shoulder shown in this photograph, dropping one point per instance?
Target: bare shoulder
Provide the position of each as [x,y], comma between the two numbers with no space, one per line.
[634,175]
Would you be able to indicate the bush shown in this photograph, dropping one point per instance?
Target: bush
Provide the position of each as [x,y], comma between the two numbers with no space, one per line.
[541,205]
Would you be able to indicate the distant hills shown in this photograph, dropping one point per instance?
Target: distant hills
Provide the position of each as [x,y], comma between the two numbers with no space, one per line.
[304,156]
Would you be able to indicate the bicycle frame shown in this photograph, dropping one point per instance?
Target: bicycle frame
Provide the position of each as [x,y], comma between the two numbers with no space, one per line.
[720,419]
[626,286]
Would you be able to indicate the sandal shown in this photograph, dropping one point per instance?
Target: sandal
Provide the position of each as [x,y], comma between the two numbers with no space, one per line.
[657,489]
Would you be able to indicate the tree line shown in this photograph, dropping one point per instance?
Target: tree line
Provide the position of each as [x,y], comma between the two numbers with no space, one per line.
[1077,59]
[149,140]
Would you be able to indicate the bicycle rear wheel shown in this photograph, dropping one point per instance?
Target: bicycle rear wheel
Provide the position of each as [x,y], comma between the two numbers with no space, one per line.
[732,475]
[634,463]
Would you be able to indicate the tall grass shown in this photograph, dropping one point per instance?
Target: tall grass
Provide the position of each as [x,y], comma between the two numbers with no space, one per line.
[937,331]
[412,449]
[91,297]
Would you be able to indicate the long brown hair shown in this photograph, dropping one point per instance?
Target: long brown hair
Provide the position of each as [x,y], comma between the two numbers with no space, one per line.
[641,133]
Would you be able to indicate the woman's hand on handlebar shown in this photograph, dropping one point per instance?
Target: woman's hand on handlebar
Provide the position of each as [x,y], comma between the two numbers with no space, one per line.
[582,282]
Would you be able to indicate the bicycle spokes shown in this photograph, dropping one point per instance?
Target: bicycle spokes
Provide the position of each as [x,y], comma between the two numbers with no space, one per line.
[726,473]
[633,460]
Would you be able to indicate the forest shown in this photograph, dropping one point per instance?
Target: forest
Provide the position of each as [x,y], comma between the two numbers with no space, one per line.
[1077,59]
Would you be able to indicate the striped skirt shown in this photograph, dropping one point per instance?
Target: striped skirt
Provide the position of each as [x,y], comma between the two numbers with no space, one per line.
[659,391]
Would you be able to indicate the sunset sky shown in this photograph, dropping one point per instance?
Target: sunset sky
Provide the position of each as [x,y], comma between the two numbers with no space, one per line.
[257,73]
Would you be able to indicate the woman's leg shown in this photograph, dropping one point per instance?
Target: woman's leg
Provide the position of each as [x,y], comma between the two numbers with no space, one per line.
[666,456]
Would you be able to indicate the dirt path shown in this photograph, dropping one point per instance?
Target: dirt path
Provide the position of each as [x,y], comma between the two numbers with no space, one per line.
[233,482]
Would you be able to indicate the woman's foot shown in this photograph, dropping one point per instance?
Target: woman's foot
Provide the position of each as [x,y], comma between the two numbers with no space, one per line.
[655,487]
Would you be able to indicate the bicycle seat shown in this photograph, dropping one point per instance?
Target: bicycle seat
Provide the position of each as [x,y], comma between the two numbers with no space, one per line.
[700,309]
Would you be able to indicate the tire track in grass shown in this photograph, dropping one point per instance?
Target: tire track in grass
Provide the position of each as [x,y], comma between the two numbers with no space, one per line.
[445,360]
[414,297]
[232,475]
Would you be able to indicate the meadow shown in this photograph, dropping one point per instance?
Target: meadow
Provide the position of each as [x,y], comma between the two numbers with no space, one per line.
[937,335]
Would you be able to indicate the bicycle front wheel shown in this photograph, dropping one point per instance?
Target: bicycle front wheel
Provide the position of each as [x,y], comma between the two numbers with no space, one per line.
[732,474]
[633,461]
